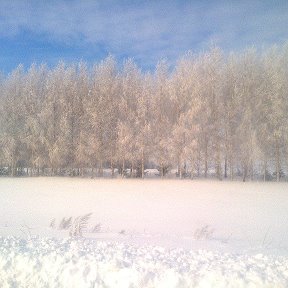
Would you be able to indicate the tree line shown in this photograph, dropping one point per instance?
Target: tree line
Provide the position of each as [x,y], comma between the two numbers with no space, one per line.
[211,114]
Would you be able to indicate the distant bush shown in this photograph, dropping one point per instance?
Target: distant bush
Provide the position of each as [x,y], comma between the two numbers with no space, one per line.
[65,224]
[75,226]
[79,225]
[204,233]
[96,228]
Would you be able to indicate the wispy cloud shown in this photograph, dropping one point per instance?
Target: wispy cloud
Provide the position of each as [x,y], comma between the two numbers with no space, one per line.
[147,30]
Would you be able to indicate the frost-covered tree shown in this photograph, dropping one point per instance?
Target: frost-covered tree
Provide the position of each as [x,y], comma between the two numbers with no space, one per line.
[13,119]
[163,119]
[211,113]
[248,92]
[33,98]
[81,158]
[131,90]
[55,118]
[212,71]
[231,114]
[103,112]
[273,107]
[143,122]
[185,100]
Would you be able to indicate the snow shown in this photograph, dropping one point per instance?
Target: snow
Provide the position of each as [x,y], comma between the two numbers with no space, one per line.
[89,263]
[151,233]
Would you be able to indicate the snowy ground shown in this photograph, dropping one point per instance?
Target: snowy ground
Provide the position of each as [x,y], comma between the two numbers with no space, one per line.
[153,233]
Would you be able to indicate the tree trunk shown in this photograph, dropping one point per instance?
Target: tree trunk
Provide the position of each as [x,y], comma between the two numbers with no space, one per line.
[206,161]
[132,170]
[277,152]
[179,168]
[218,165]
[265,167]
[252,170]
[231,167]
[245,169]
[112,169]
[92,172]
[198,163]
[142,164]
[225,167]
[14,170]
[123,168]
[100,171]
[13,164]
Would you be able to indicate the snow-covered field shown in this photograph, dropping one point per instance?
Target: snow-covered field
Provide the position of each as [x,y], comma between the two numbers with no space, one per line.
[152,233]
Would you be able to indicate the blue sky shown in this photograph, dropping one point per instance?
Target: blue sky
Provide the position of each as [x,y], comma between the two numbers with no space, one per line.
[47,31]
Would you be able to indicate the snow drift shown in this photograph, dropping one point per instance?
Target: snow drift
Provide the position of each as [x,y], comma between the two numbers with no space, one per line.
[89,263]
[152,233]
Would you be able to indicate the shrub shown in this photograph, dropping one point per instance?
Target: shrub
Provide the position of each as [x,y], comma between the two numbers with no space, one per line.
[79,225]
[204,233]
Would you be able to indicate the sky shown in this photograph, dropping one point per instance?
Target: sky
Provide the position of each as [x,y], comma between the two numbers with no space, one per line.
[47,31]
